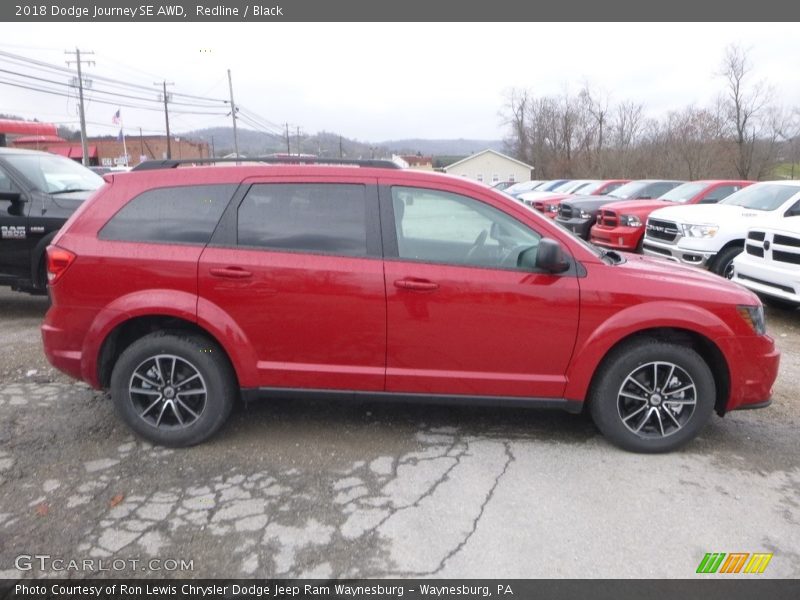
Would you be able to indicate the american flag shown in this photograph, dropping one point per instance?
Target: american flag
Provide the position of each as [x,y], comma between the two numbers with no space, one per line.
[116,118]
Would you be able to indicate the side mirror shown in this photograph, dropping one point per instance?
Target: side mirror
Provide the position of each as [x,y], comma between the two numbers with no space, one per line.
[550,256]
[11,196]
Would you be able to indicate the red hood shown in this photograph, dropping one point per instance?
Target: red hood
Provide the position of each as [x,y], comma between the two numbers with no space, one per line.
[639,208]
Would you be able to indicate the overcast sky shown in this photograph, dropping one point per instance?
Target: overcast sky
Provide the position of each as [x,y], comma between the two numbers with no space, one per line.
[380,81]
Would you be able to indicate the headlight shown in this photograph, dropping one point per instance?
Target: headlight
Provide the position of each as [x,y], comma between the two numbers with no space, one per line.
[754,315]
[584,215]
[630,221]
[700,231]
[552,208]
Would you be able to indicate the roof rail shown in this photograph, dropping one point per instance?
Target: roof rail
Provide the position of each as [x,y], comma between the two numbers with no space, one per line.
[169,163]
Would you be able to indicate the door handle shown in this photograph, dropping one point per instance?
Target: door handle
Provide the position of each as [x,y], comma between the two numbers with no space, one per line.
[420,285]
[230,272]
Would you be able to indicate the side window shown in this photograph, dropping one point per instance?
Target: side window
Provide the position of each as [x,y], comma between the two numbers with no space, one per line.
[794,211]
[437,226]
[305,217]
[719,193]
[176,215]
[7,186]
[656,189]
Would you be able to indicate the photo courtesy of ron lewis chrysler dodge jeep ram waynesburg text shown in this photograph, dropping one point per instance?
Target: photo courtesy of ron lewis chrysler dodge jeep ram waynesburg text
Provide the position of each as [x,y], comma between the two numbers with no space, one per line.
[291,280]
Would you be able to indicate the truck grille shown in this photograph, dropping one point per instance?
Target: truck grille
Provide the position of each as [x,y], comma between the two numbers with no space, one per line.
[662,230]
[564,211]
[607,218]
[781,248]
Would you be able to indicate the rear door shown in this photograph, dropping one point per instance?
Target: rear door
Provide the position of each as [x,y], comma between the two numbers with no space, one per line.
[463,319]
[300,274]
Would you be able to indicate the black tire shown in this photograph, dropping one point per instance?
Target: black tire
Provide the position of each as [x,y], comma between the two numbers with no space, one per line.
[199,362]
[611,408]
[723,262]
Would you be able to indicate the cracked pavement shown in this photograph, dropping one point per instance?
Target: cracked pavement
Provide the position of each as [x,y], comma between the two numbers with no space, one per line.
[332,489]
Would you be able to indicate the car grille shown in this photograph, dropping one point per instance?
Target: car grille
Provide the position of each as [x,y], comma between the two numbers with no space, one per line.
[565,211]
[784,248]
[607,218]
[662,230]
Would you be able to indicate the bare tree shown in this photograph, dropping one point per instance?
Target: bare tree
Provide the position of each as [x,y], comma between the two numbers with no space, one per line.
[744,103]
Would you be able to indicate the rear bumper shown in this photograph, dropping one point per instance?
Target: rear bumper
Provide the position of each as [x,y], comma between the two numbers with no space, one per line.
[63,335]
[620,238]
[753,364]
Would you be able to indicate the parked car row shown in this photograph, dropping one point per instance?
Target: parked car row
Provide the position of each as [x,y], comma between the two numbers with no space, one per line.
[708,223]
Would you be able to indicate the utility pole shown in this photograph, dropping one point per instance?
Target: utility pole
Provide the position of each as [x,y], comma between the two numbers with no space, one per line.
[164,85]
[288,150]
[213,151]
[141,144]
[233,116]
[77,61]
[298,140]
[341,154]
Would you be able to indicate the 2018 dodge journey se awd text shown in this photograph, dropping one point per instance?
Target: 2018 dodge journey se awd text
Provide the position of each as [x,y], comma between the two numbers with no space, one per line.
[183,289]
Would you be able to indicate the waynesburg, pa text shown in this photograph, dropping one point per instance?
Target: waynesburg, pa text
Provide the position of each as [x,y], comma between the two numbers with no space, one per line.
[255,590]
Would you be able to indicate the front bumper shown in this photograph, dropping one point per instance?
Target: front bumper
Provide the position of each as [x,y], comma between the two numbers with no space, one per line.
[577,225]
[620,238]
[767,277]
[753,362]
[676,253]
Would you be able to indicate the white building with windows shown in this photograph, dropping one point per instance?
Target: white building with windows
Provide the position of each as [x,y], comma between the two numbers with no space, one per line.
[490,166]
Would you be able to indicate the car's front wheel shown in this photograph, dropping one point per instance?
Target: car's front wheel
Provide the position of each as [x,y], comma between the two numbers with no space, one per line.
[652,396]
[173,388]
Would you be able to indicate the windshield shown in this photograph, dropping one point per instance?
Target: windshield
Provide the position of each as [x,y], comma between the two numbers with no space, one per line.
[629,190]
[53,174]
[591,188]
[683,193]
[762,196]
[563,187]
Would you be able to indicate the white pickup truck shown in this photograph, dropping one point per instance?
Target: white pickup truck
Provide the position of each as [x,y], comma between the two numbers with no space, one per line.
[770,263]
[712,235]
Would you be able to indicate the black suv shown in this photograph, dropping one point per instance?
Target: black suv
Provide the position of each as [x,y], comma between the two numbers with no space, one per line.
[38,192]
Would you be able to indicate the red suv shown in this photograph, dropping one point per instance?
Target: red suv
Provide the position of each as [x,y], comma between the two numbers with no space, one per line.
[183,289]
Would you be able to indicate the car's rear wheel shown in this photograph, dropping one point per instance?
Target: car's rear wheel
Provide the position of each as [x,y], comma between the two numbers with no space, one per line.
[173,388]
[652,396]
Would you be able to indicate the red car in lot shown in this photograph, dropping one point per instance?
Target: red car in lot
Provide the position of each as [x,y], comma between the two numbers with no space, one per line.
[621,225]
[548,205]
[182,290]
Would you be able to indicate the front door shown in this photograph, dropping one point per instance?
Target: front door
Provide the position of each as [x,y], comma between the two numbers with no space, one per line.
[463,318]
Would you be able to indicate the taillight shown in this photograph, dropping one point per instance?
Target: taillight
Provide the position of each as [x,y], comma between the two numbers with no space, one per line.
[58,261]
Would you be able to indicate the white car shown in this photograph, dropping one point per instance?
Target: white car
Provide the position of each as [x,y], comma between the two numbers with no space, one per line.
[770,263]
[712,235]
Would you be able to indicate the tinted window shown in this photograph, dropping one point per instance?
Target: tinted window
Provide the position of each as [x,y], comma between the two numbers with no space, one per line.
[719,193]
[662,187]
[179,215]
[306,217]
[436,226]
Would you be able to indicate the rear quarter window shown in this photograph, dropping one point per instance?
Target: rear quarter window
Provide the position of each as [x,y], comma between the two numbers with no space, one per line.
[174,215]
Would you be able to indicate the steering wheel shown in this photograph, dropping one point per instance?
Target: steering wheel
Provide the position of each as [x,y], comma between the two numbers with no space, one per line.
[477,244]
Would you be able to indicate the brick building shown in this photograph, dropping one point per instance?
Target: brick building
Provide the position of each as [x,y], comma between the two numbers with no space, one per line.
[109,152]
